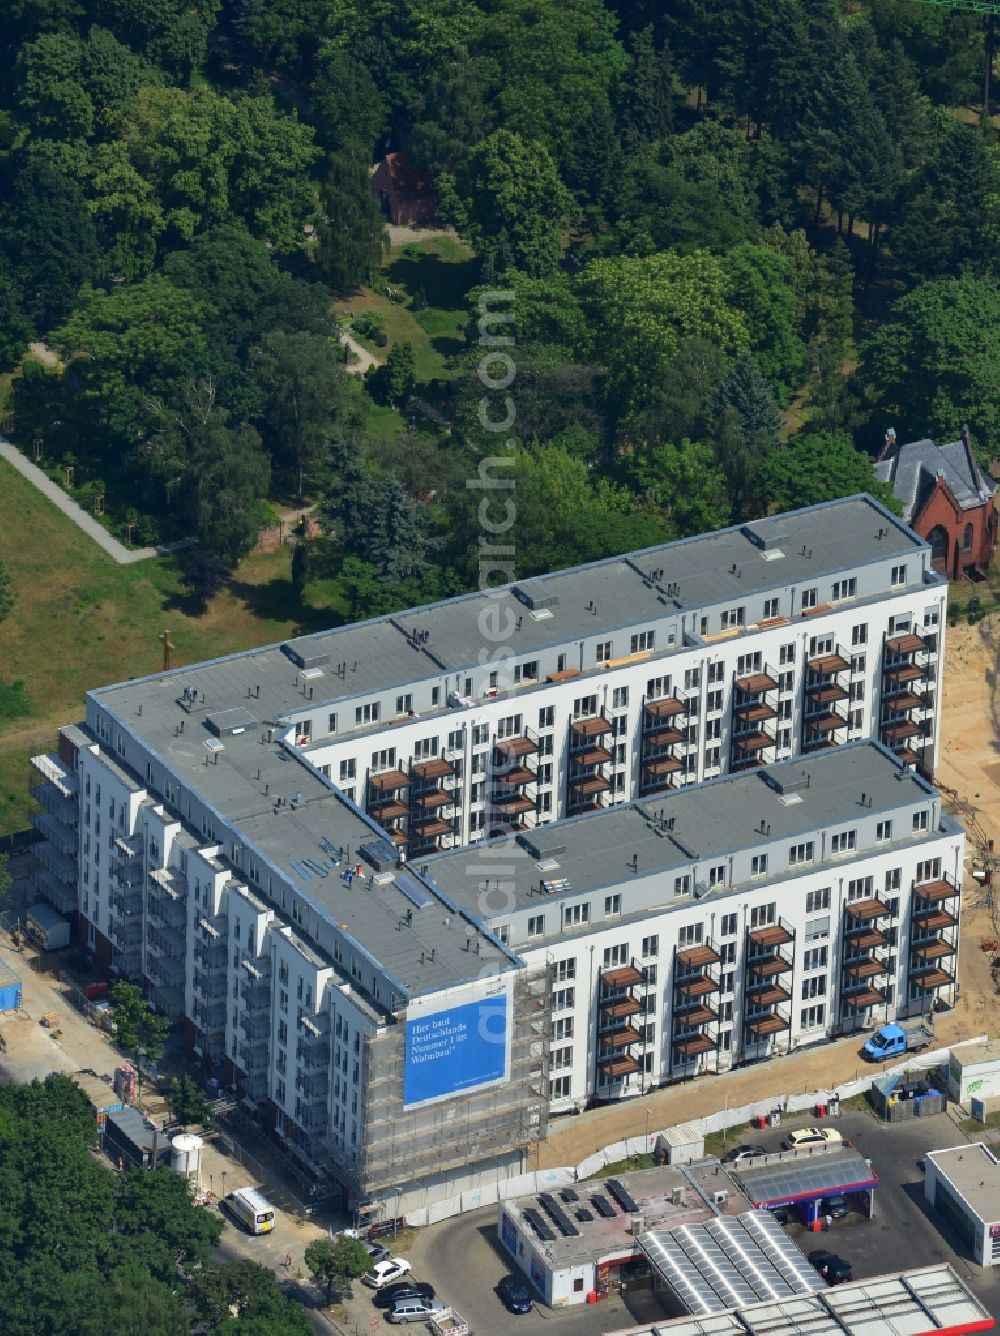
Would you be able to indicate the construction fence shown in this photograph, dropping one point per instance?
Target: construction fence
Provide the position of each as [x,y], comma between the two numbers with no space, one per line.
[546,1180]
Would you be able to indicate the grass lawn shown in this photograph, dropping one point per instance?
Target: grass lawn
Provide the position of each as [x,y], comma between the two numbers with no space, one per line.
[82,621]
[444,271]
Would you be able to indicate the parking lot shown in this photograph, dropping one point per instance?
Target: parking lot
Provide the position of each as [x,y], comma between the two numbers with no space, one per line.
[462,1259]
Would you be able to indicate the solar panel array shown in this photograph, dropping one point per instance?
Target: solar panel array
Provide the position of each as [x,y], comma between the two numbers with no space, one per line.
[535,1220]
[558,1216]
[819,1174]
[603,1207]
[568,1194]
[622,1196]
[730,1262]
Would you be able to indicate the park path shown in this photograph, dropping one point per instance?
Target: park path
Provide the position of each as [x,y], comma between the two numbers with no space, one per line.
[364,357]
[124,556]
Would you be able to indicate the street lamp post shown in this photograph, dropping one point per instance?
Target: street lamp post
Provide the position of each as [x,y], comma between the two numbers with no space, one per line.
[649,1112]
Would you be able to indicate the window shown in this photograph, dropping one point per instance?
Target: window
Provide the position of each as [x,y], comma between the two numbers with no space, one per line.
[650,947]
[811,1018]
[845,589]
[526,672]
[603,652]
[919,821]
[928,870]
[858,664]
[856,691]
[815,986]
[883,832]
[713,730]
[860,888]
[682,885]
[818,900]
[574,915]
[643,642]
[758,865]
[732,617]
[584,707]
[786,654]
[713,702]
[771,608]
[967,538]
[426,748]
[749,663]
[367,714]
[503,933]
[692,679]
[545,745]
[810,597]
[717,875]
[898,576]
[562,1028]
[859,635]
[536,925]
[509,727]
[616,955]
[716,672]
[546,716]
[713,758]
[727,953]
[563,999]
[728,925]
[800,853]
[612,905]
[559,1088]
[658,687]
[560,1058]
[893,879]
[384,759]
[619,698]
[690,935]
[331,723]
[843,842]
[565,969]
[545,773]
[817,929]
[762,916]
[815,958]
[404,704]
[480,735]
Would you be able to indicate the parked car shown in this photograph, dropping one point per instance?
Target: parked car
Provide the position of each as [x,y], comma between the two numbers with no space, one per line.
[414,1310]
[782,1214]
[403,1289]
[807,1137]
[833,1269]
[378,1252]
[385,1273]
[836,1207]
[514,1295]
[739,1153]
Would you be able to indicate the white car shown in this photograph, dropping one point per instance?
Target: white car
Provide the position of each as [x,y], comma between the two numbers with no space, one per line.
[384,1273]
[812,1137]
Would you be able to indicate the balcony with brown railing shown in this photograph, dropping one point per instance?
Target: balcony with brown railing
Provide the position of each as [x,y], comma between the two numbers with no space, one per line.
[769,955]
[588,778]
[907,679]
[694,1019]
[385,792]
[825,687]
[933,935]
[618,1031]
[754,706]
[431,804]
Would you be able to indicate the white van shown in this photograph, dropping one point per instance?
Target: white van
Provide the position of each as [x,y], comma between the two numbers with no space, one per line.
[252,1209]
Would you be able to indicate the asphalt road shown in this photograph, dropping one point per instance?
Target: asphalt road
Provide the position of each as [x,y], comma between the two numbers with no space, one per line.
[461,1257]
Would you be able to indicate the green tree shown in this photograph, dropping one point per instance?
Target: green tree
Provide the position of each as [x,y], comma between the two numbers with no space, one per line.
[307,396]
[396,540]
[681,485]
[6,880]
[817,467]
[351,231]
[508,200]
[188,1103]
[215,1290]
[139,1031]
[642,309]
[647,106]
[745,431]
[270,184]
[157,1226]
[204,574]
[933,364]
[300,568]
[761,285]
[127,215]
[337,1262]
[400,370]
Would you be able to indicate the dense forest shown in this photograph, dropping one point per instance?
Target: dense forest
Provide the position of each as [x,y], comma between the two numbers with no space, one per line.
[87,1251]
[740,240]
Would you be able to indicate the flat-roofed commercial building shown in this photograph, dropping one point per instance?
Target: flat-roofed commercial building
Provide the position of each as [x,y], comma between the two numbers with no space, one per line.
[406,895]
[963,1184]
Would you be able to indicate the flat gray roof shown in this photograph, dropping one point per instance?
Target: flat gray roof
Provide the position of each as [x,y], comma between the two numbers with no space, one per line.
[974,1173]
[635,840]
[630,590]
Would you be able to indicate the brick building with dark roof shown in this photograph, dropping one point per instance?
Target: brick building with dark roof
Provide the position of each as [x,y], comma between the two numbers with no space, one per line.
[947,498]
[406,194]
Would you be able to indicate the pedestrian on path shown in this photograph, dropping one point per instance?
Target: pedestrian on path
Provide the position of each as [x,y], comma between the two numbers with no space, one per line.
[287,1264]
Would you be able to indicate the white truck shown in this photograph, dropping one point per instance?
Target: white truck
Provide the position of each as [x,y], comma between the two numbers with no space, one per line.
[450,1323]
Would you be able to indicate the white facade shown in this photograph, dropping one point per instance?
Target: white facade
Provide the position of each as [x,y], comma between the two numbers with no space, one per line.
[233,835]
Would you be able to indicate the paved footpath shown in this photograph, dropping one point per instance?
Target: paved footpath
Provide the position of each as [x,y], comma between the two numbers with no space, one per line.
[118,552]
